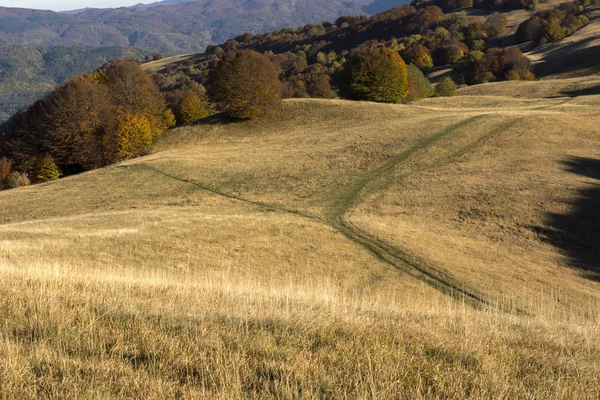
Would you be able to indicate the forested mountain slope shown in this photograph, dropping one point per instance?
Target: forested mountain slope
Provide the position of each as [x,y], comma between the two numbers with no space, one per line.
[169,28]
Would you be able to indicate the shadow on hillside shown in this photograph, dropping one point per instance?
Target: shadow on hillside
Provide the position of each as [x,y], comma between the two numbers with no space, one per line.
[218,119]
[590,91]
[577,233]
[571,59]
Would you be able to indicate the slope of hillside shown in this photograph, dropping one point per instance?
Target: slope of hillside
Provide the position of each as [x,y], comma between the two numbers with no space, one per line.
[333,249]
[576,55]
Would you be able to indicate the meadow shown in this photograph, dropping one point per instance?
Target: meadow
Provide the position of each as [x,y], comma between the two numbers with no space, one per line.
[442,249]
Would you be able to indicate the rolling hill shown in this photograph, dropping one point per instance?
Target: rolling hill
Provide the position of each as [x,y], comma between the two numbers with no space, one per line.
[333,249]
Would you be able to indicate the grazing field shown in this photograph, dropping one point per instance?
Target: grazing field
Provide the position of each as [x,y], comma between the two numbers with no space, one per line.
[333,249]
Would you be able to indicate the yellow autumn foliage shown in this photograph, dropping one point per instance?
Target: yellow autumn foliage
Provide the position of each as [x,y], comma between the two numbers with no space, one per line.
[133,136]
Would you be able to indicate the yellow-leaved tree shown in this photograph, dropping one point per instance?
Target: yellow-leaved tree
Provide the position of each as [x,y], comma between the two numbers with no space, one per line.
[133,136]
[191,108]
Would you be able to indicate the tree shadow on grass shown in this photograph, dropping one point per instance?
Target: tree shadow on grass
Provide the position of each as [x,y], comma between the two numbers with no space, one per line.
[217,119]
[589,91]
[577,233]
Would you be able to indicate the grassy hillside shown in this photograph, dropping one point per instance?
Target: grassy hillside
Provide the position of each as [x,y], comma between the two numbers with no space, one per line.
[576,55]
[332,249]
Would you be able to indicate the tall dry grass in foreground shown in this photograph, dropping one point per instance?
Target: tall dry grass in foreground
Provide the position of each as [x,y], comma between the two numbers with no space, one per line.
[71,332]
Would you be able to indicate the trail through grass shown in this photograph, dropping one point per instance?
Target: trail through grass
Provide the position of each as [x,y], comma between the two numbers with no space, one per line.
[340,203]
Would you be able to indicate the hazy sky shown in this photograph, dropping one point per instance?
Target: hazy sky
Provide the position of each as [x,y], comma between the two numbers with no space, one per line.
[62,5]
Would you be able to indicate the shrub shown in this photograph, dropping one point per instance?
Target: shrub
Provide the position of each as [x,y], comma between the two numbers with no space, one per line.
[478,45]
[418,85]
[244,84]
[47,170]
[495,24]
[376,75]
[17,179]
[445,88]
[170,119]
[320,87]
[418,55]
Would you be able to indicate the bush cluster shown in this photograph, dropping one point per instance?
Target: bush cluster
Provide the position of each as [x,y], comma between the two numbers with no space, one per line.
[493,65]
[552,25]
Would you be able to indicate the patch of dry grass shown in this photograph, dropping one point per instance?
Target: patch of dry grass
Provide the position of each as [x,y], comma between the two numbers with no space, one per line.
[289,258]
[68,332]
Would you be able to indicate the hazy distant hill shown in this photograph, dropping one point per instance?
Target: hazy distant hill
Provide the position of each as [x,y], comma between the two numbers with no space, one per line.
[26,73]
[181,27]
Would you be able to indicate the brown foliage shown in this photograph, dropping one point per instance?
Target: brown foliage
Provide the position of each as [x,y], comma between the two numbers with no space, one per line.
[76,121]
[244,84]
[5,168]
[552,25]
[320,87]
[495,64]
[79,124]
[133,92]
[495,24]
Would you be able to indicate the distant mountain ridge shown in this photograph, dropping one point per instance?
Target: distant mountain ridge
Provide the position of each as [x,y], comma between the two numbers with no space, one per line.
[173,26]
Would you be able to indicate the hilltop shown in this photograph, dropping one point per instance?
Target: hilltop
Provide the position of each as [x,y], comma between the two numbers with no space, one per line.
[446,248]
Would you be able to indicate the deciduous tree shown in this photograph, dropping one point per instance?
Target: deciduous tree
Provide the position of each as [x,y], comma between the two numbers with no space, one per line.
[244,84]
[376,75]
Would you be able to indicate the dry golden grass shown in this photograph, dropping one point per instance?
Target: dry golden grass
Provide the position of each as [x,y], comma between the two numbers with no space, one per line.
[157,65]
[534,90]
[330,250]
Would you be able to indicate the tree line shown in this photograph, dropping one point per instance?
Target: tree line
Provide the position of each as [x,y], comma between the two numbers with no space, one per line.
[311,59]
[118,112]
[91,121]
